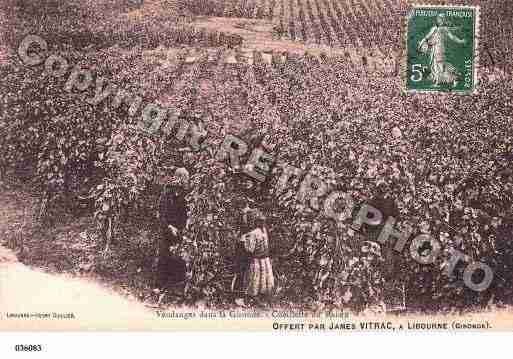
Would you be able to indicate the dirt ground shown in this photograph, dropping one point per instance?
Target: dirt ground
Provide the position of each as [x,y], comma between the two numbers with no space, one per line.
[66,248]
[27,290]
[24,289]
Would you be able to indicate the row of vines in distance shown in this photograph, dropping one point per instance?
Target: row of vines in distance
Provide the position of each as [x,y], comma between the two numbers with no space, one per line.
[328,22]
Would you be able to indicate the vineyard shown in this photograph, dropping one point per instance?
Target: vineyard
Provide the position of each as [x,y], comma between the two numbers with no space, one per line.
[447,168]
[367,24]
[328,22]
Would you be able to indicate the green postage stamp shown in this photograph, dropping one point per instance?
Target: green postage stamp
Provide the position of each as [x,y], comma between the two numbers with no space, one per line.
[442,48]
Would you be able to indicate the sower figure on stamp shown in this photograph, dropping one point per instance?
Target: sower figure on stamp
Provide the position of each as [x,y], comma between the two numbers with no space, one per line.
[173,220]
[435,44]
[255,278]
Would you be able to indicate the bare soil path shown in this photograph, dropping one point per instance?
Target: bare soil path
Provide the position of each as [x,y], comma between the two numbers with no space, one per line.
[65,300]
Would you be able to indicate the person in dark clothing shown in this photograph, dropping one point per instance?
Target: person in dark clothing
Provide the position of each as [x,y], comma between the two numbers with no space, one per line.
[241,257]
[173,220]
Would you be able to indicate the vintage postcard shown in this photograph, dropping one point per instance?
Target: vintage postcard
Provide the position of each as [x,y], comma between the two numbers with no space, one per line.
[269,165]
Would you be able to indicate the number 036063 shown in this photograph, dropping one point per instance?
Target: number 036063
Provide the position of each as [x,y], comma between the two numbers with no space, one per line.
[28,348]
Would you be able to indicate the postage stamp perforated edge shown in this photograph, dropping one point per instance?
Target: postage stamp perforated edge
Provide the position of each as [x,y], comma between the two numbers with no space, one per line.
[404,50]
